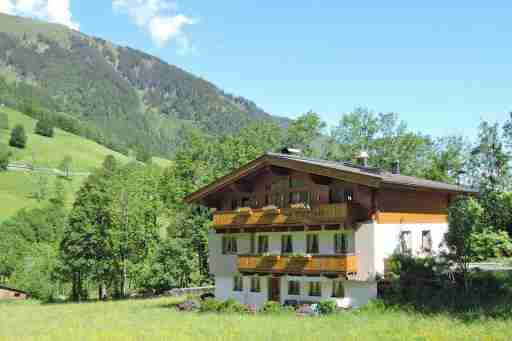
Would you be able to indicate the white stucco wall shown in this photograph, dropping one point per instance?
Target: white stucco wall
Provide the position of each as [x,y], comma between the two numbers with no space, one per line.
[387,240]
[365,245]
[359,293]
[224,291]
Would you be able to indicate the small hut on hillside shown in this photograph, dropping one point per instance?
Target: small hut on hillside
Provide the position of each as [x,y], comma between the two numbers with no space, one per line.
[7,293]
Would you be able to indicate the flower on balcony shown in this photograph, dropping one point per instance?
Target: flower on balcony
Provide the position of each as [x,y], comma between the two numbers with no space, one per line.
[300,205]
[244,210]
[300,255]
[270,209]
[271,255]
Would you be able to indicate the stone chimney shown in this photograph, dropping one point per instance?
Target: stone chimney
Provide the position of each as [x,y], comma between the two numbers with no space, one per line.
[396,167]
[291,151]
[362,159]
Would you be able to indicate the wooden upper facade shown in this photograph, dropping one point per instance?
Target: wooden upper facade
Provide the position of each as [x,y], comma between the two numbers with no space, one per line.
[279,192]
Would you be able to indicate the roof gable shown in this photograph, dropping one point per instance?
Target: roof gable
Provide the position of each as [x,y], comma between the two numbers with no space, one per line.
[371,177]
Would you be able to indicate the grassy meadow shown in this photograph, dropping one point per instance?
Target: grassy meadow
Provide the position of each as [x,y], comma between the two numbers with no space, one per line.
[49,152]
[16,188]
[156,319]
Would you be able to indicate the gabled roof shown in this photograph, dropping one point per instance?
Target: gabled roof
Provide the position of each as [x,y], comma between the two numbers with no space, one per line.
[14,290]
[372,177]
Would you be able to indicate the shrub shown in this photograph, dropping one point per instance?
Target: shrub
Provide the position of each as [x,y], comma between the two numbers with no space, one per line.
[271,307]
[44,127]
[18,137]
[491,244]
[233,306]
[327,307]
[210,305]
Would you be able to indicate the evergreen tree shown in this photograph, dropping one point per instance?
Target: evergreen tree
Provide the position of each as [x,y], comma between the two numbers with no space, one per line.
[18,137]
[110,163]
[44,127]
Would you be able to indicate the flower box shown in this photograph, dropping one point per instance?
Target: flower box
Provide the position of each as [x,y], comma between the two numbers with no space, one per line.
[244,211]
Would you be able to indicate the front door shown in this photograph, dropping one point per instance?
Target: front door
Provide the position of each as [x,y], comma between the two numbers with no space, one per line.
[274,289]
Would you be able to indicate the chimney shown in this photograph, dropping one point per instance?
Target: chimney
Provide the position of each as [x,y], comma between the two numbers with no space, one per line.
[362,159]
[291,151]
[396,167]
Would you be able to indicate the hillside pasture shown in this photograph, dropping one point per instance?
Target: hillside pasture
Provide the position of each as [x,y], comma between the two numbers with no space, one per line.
[157,319]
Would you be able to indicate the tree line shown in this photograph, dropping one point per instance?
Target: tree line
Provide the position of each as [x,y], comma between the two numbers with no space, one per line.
[128,229]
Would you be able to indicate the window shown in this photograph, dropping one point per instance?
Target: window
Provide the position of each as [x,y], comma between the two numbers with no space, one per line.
[238,283]
[234,204]
[229,245]
[315,289]
[406,242]
[349,196]
[294,288]
[300,198]
[343,242]
[338,290]
[277,199]
[286,244]
[312,243]
[426,241]
[255,284]
[246,202]
[262,244]
[297,183]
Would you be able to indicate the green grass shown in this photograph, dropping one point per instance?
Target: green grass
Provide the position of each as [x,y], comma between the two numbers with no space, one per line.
[16,188]
[16,191]
[44,151]
[156,320]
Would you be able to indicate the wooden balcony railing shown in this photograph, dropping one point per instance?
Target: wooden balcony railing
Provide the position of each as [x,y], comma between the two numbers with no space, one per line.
[328,213]
[298,265]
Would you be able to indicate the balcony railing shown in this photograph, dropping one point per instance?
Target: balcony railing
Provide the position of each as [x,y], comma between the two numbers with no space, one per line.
[328,213]
[300,265]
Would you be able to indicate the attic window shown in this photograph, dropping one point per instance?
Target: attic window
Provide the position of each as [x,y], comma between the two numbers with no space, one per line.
[349,196]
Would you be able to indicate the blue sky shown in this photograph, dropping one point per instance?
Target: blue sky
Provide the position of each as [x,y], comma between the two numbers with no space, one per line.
[442,68]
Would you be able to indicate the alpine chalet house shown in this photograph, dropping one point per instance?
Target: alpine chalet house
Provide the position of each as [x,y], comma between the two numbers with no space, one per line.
[294,230]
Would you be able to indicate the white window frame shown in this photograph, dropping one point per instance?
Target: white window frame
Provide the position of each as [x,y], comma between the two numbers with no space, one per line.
[310,289]
[349,242]
[309,245]
[229,245]
[406,242]
[238,283]
[424,247]
[298,285]
[255,288]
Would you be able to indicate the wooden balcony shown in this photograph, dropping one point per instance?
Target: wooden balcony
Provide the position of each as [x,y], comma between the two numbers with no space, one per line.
[328,213]
[298,265]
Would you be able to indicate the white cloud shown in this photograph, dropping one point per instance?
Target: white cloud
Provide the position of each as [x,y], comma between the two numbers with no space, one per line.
[160,18]
[6,7]
[56,11]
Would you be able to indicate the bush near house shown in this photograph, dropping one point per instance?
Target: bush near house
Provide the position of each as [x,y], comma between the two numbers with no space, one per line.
[428,286]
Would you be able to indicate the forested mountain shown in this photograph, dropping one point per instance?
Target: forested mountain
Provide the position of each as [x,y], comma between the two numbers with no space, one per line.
[128,99]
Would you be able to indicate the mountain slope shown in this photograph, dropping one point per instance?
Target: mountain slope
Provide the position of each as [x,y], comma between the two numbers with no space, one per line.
[128,95]
[17,188]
